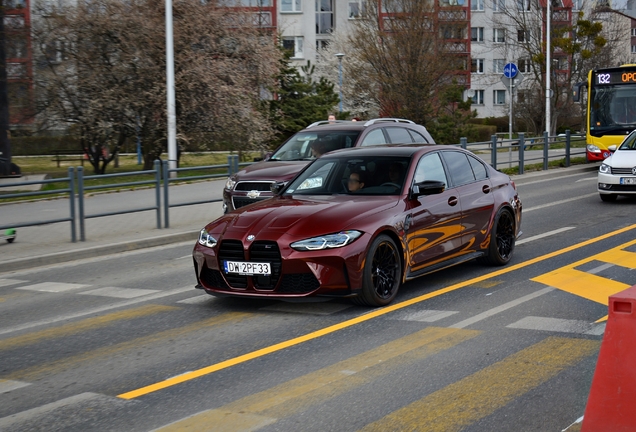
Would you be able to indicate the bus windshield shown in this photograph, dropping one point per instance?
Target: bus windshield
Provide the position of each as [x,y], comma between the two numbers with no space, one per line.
[612,109]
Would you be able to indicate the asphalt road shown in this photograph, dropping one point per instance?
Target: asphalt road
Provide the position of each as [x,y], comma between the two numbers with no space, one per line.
[125,342]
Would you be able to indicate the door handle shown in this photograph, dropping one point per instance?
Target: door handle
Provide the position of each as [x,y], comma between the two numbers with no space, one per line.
[485,189]
[452,201]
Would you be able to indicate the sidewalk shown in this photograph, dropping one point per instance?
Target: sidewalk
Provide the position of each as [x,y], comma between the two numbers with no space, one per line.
[51,244]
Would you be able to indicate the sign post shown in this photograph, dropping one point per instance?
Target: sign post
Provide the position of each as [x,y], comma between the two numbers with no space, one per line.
[510,72]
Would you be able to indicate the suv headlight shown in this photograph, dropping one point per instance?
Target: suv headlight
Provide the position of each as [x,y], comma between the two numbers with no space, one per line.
[229,184]
[206,239]
[605,169]
[328,241]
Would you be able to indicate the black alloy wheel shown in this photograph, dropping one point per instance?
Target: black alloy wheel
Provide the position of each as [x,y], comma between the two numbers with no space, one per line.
[382,273]
[502,242]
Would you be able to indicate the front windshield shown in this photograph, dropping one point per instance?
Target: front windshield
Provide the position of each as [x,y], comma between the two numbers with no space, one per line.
[307,145]
[613,109]
[629,143]
[366,175]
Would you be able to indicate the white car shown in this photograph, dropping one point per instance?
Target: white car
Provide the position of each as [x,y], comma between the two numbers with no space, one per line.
[617,173]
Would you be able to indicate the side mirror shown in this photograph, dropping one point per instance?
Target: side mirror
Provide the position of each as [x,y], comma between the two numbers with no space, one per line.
[612,148]
[277,187]
[428,187]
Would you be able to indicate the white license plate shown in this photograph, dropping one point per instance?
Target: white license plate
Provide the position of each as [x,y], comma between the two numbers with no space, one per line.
[247,268]
[628,180]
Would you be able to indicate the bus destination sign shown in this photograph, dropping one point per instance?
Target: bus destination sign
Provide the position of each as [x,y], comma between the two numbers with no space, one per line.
[615,77]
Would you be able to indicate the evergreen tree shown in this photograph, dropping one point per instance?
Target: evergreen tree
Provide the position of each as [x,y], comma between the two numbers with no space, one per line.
[300,99]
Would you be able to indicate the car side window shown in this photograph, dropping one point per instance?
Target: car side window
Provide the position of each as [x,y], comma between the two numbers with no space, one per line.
[430,167]
[375,137]
[459,168]
[478,168]
[418,137]
[399,135]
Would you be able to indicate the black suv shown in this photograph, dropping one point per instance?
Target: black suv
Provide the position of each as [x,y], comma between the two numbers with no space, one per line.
[253,183]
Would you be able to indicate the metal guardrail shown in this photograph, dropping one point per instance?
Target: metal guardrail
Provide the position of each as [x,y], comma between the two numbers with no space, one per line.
[495,147]
[520,145]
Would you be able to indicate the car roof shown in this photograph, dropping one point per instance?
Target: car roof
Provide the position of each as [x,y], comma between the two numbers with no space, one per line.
[387,150]
[358,125]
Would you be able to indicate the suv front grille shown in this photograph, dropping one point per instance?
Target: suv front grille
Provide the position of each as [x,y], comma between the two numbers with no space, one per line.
[239,202]
[264,186]
[622,171]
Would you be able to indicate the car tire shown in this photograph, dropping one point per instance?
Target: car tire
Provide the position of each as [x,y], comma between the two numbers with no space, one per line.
[382,273]
[608,197]
[502,239]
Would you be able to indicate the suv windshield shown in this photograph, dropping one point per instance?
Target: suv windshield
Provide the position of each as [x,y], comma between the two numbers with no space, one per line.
[299,147]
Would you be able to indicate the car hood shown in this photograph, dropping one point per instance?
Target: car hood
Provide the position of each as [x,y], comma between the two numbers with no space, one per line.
[301,218]
[271,170]
[622,159]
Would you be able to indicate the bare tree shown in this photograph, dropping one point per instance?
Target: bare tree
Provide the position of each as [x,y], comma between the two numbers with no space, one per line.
[578,44]
[396,63]
[101,68]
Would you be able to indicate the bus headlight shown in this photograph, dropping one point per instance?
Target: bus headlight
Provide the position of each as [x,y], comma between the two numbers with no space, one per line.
[593,149]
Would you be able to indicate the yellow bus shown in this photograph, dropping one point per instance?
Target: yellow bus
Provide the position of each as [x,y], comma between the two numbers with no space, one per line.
[611,108]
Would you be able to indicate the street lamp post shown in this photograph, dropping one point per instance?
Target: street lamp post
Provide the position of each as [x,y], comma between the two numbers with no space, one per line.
[340,56]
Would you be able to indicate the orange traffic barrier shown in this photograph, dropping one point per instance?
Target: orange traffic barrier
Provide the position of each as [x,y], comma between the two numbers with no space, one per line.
[611,405]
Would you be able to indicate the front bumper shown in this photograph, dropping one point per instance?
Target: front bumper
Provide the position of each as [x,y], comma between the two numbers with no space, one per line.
[611,184]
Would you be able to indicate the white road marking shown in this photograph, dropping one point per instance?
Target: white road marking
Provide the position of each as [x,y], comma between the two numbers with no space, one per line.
[587,179]
[546,234]
[559,325]
[52,287]
[426,315]
[7,385]
[119,292]
[96,310]
[501,308]
[559,202]
[196,300]
[7,282]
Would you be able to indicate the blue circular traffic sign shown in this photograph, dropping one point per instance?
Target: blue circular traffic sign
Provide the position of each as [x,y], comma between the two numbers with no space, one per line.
[510,70]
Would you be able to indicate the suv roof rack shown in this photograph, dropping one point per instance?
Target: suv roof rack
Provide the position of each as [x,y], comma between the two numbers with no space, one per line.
[322,122]
[387,119]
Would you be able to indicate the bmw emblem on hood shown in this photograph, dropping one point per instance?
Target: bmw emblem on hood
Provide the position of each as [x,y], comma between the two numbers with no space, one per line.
[251,237]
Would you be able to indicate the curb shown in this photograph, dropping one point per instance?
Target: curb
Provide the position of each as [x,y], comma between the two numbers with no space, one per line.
[97,251]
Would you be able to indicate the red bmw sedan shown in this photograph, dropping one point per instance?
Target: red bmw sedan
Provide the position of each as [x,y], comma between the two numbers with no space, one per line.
[357,223]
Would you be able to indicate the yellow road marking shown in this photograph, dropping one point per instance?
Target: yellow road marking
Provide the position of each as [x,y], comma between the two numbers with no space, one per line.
[284,400]
[479,395]
[80,326]
[354,321]
[587,285]
[32,373]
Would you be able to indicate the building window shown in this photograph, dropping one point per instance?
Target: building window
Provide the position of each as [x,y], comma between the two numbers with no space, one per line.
[633,49]
[477,34]
[499,97]
[355,9]
[523,35]
[498,5]
[524,5]
[498,65]
[633,32]
[478,98]
[477,5]
[524,65]
[477,66]
[14,4]
[324,16]
[295,45]
[290,6]
[577,5]
[499,35]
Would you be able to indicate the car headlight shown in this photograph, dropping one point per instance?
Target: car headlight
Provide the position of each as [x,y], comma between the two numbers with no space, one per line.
[328,241]
[605,169]
[593,149]
[229,184]
[206,239]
